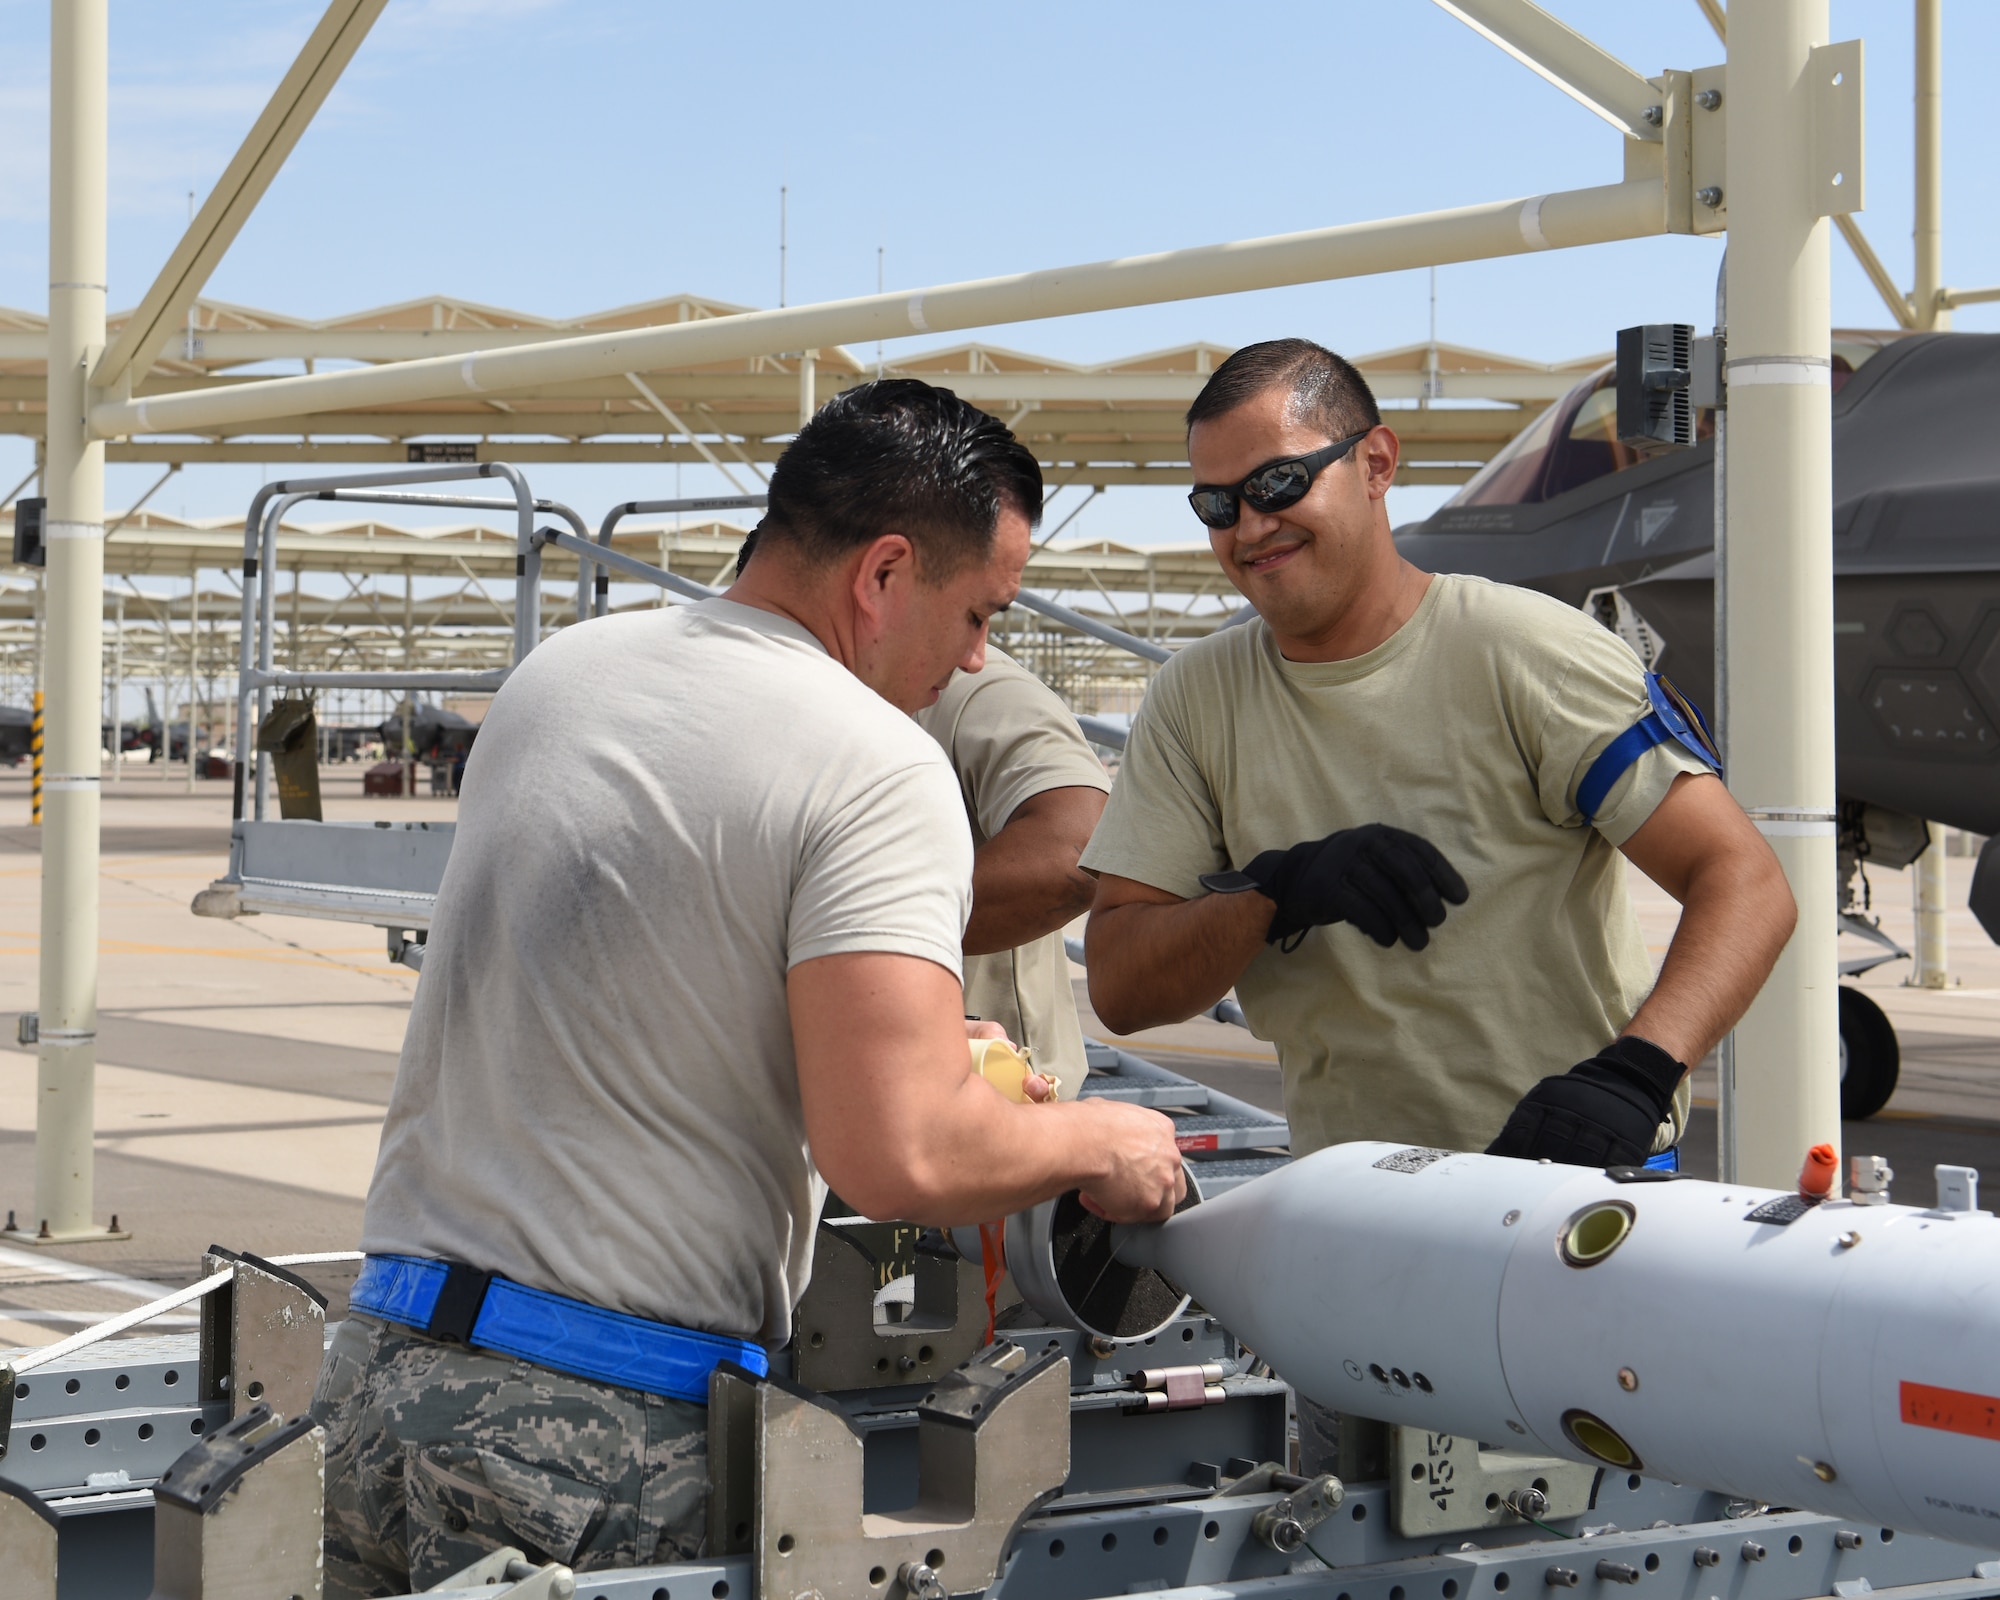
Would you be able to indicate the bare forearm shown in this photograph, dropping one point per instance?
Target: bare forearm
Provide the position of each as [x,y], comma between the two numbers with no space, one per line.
[985,1157]
[1153,963]
[1735,919]
[1021,890]
[901,1127]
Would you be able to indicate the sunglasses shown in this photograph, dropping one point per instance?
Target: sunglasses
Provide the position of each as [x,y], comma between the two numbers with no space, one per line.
[1271,487]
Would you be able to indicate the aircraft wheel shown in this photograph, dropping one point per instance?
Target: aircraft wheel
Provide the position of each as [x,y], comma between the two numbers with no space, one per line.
[1870,1059]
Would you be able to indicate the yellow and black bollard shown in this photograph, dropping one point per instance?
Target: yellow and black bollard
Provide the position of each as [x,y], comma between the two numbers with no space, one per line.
[35,751]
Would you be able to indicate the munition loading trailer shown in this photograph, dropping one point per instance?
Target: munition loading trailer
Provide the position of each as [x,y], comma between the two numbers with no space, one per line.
[1114,1435]
[1114,1438]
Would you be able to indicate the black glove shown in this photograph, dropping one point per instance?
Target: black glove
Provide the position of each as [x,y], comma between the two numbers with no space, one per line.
[1604,1112]
[1388,883]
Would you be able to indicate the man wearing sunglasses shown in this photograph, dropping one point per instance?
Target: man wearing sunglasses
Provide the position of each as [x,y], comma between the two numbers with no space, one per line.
[1385,813]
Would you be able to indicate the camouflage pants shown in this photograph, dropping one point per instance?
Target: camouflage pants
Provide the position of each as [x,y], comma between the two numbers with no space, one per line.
[437,1455]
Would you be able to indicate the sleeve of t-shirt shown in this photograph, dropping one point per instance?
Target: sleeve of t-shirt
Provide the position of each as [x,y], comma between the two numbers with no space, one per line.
[1161,826]
[1015,739]
[889,871]
[1600,694]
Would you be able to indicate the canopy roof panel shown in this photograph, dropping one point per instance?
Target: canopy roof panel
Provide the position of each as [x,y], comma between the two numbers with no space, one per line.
[1110,422]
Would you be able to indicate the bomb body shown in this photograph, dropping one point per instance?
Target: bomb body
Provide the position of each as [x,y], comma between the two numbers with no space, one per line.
[1839,1358]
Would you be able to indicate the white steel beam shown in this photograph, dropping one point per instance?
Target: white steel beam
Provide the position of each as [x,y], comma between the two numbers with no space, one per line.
[1470,233]
[982,388]
[1586,72]
[1778,581]
[271,139]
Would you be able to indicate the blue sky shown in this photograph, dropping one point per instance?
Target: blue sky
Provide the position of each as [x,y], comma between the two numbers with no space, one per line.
[563,156]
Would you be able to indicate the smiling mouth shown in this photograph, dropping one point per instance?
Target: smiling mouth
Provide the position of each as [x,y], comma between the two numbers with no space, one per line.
[1271,559]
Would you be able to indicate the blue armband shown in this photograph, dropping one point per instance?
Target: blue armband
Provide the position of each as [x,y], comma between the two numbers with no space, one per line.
[1674,718]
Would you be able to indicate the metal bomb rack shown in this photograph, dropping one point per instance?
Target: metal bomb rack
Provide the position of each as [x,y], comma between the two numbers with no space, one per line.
[905,1459]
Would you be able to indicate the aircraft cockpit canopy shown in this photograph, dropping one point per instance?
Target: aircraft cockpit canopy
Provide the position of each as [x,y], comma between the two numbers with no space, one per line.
[1575,442]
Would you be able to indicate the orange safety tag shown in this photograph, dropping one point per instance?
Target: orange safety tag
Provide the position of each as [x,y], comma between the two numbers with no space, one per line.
[1951,1410]
[993,1261]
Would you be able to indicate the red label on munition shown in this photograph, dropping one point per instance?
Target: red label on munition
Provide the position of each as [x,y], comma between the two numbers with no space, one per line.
[1197,1141]
[1951,1410]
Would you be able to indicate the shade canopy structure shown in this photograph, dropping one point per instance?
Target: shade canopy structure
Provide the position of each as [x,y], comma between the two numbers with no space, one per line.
[1113,423]
[726,385]
[371,594]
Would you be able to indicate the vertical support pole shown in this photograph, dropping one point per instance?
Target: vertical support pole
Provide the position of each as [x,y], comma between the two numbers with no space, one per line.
[67,1054]
[1152,610]
[194,666]
[808,386]
[1725,1052]
[1929,881]
[38,725]
[37,735]
[166,752]
[118,692]
[1780,575]
[409,665]
[1929,229]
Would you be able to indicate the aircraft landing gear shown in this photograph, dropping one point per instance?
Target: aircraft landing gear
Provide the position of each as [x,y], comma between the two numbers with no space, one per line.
[1870,1059]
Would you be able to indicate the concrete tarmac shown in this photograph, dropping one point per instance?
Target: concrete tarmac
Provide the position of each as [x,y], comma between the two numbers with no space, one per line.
[244,1066]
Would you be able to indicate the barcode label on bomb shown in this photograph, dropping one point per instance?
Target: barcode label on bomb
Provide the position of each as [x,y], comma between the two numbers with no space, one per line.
[1414,1159]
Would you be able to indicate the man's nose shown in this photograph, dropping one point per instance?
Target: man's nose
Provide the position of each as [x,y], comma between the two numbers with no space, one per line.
[974,659]
[1253,527]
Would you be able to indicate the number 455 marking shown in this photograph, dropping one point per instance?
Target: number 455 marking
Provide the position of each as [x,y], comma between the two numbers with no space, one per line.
[1437,1449]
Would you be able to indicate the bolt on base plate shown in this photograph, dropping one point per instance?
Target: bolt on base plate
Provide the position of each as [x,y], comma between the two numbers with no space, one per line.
[110,1235]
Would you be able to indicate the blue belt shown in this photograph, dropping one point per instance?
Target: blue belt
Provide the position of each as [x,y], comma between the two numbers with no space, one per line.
[449,1300]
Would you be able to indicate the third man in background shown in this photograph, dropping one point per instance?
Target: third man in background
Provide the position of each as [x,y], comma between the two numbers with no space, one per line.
[1033,793]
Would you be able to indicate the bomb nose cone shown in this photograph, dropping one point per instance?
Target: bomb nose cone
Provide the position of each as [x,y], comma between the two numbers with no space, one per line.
[1137,1244]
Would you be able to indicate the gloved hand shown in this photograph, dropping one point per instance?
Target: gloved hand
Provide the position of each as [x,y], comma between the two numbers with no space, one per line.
[1390,884]
[1603,1112]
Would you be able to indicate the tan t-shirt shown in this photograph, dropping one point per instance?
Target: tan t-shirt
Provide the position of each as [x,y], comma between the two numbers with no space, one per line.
[666,811]
[1010,737]
[1472,726]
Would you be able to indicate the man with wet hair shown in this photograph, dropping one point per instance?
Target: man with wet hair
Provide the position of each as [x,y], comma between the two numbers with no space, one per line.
[1388,811]
[695,958]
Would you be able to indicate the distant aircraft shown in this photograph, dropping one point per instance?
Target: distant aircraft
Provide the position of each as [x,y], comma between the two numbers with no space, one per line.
[16,734]
[1567,509]
[437,736]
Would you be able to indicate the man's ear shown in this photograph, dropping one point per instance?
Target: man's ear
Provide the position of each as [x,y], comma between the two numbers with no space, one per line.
[1380,452]
[885,565]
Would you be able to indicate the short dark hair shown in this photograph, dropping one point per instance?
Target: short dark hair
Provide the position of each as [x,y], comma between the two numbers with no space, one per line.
[1326,391]
[904,455]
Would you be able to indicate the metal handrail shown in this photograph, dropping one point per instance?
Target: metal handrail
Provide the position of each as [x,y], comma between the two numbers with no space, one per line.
[631,566]
[1145,649]
[1132,644]
[257,672]
[617,514]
